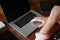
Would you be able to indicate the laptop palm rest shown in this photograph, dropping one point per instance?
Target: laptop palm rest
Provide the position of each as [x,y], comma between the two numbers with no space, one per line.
[23,24]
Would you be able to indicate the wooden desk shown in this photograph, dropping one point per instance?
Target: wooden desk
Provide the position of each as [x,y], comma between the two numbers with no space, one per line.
[18,35]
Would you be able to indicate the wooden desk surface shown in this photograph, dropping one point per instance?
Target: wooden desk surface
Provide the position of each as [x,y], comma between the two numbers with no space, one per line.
[18,35]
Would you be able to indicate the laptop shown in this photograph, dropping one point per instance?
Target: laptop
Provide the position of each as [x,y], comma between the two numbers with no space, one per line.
[18,15]
[23,24]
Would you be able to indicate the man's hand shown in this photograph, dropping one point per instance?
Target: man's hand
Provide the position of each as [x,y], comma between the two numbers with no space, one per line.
[39,20]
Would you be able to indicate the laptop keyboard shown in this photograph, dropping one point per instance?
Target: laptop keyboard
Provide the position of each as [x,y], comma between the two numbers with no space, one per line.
[21,22]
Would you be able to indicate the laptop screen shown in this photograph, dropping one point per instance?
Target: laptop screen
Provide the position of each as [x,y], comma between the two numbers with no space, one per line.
[14,8]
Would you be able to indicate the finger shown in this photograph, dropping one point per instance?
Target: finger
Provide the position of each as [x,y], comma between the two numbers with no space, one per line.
[40,25]
[37,22]
[35,19]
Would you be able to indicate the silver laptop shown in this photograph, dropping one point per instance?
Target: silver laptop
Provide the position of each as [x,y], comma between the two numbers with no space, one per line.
[23,25]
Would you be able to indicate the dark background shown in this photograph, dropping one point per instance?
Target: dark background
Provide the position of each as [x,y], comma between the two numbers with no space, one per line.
[14,8]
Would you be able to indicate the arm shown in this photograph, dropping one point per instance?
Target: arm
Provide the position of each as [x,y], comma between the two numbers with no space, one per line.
[43,33]
[51,20]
